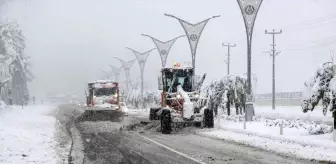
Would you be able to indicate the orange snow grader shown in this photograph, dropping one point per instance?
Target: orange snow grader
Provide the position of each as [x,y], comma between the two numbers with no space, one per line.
[181,101]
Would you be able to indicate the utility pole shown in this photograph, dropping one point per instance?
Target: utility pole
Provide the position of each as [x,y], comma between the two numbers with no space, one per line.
[228,55]
[273,54]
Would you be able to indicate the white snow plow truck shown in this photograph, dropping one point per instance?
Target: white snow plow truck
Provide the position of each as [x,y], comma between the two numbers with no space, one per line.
[180,100]
[102,96]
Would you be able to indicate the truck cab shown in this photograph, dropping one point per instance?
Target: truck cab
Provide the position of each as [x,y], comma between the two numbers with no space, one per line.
[103,95]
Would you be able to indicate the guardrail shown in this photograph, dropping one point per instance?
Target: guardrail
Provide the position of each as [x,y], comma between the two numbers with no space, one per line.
[280,96]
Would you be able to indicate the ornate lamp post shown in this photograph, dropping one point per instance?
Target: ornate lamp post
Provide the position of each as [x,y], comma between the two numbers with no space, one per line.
[116,72]
[142,58]
[126,65]
[193,32]
[249,10]
[163,47]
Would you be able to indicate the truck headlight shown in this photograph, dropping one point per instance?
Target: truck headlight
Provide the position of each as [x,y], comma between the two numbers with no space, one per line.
[196,95]
[178,96]
[116,95]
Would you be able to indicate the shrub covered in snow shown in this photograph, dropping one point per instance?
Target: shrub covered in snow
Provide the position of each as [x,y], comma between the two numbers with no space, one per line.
[225,92]
[2,104]
[312,127]
[317,88]
[151,98]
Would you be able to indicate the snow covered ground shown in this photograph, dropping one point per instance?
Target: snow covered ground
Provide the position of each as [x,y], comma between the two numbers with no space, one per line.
[139,112]
[292,113]
[301,137]
[28,135]
[286,148]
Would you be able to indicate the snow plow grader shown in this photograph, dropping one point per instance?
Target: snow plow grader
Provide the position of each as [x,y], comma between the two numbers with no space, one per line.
[181,101]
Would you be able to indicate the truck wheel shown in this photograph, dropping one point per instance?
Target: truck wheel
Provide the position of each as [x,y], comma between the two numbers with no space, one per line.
[152,113]
[198,124]
[165,122]
[208,118]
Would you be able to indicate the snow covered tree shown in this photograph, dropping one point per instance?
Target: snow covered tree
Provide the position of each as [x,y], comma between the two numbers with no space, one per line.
[151,98]
[226,92]
[13,42]
[317,89]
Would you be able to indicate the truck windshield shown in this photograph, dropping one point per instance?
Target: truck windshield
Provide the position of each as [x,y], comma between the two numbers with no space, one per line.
[105,91]
[183,78]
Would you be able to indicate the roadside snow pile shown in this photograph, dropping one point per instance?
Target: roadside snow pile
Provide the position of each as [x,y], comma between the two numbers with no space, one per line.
[67,135]
[28,135]
[284,147]
[139,112]
[99,126]
[312,127]
[2,105]
[294,113]
[299,138]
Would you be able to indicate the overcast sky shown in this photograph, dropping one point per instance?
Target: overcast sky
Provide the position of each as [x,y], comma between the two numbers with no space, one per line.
[70,40]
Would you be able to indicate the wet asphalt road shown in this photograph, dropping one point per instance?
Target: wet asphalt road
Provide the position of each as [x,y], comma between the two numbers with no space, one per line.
[127,148]
[105,143]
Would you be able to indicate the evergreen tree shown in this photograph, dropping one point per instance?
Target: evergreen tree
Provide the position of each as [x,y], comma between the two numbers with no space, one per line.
[13,50]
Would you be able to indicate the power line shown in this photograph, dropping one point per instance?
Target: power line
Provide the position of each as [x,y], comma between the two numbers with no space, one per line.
[320,19]
[317,44]
[313,23]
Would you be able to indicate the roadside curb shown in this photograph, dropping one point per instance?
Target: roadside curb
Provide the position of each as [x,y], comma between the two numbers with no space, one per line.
[68,117]
[76,155]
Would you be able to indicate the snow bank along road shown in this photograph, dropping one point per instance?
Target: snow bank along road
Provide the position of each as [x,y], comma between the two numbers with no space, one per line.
[106,142]
[31,135]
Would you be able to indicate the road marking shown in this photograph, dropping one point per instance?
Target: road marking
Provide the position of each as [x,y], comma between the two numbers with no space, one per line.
[171,149]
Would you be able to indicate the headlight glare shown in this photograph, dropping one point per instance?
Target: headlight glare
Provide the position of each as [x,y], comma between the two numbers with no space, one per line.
[196,95]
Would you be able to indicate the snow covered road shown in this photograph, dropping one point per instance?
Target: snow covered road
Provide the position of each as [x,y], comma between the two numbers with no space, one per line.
[28,135]
[103,142]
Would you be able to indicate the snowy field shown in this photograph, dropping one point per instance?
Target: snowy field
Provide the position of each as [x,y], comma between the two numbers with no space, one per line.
[28,135]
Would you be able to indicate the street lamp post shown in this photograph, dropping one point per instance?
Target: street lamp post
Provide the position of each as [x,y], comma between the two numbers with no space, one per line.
[126,65]
[255,79]
[142,58]
[106,75]
[115,72]
[163,47]
[193,32]
[249,10]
